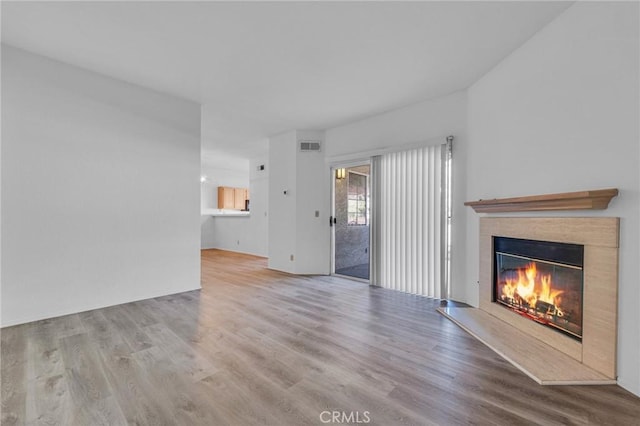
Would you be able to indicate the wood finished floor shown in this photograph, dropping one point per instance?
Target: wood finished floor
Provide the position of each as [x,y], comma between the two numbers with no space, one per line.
[259,347]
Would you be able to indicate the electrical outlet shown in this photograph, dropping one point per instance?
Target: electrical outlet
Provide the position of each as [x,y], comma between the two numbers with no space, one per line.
[291,258]
[317,213]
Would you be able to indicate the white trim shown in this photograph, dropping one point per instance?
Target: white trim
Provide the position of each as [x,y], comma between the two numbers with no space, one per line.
[332,176]
[360,161]
[353,158]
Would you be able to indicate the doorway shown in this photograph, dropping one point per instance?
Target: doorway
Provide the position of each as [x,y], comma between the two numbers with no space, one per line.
[352,221]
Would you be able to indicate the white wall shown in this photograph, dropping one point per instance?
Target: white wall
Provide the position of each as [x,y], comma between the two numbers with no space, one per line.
[561,114]
[258,227]
[430,121]
[1,186]
[313,249]
[246,234]
[412,124]
[100,198]
[282,207]
[294,229]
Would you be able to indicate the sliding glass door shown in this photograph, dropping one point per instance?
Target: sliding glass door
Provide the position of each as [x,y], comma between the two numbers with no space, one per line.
[351,221]
[391,223]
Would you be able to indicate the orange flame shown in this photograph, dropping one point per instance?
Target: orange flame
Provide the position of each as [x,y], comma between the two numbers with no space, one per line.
[532,286]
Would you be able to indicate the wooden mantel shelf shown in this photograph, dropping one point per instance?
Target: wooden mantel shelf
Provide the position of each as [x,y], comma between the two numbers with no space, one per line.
[582,200]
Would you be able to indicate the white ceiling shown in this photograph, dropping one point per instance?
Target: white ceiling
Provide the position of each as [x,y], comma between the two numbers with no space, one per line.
[262,68]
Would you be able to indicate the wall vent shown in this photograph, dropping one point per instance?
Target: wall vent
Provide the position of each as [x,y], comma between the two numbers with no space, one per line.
[309,146]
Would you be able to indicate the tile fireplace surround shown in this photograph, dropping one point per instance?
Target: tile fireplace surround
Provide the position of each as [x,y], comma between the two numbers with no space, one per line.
[547,356]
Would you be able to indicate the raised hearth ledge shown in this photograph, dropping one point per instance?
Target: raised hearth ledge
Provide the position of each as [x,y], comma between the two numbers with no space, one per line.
[583,200]
[529,355]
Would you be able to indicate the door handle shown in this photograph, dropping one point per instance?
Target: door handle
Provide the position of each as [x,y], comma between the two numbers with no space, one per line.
[332,221]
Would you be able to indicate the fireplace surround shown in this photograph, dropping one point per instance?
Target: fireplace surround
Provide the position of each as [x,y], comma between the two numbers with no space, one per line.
[542,352]
[599,238]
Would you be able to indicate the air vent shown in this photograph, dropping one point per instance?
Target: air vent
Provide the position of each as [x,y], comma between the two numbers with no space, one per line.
[309,146]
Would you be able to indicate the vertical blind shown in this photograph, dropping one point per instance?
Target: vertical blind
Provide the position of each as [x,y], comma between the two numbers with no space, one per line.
[410,220]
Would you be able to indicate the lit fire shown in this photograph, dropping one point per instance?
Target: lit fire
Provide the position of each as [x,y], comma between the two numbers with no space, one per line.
[530,286]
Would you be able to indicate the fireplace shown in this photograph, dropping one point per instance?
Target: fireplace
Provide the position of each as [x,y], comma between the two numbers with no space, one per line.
[587,335]
[549,308]
[541,281]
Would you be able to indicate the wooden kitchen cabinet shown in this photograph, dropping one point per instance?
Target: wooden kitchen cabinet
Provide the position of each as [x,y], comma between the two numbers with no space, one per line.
[225,198]
[240,196]
[232,198]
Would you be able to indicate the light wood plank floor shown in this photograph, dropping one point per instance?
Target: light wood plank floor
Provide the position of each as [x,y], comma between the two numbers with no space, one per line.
[259,347]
